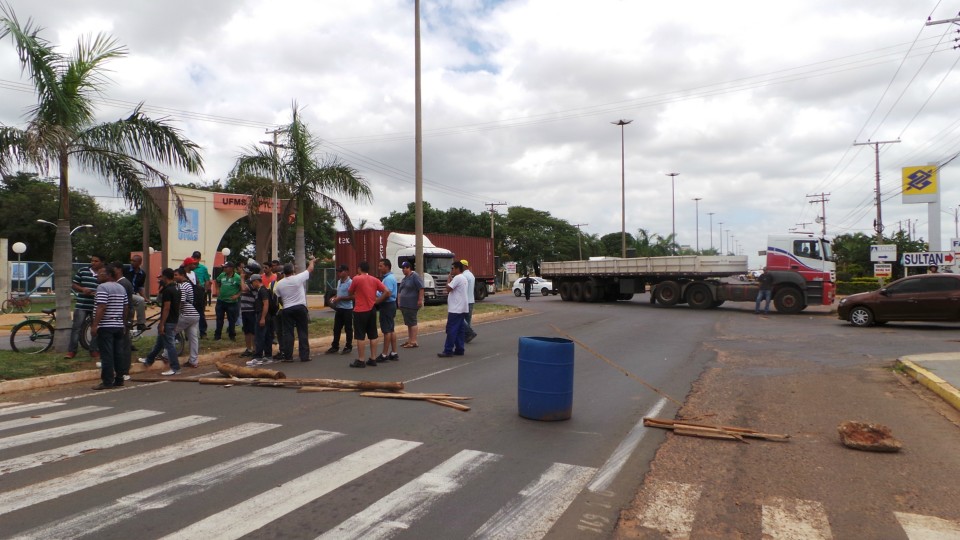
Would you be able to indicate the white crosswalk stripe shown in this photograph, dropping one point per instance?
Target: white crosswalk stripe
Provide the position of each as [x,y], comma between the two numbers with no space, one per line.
[920,527]
[73,450]
[399,509]
[73,429]
[71,483]
[164,495]
[17,408]
[49,417]
[795,519]
[671,509]
[530,515]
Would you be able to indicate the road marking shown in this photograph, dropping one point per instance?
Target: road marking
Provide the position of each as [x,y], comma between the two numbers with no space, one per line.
[165,495]
[101,474]
[73,429]
[261,509]
[671,509]
[428,375]
[59,415]
[398,510]
[795,519]
[66,452]
[537,507]
[616,461]
[920,527]
[15,408]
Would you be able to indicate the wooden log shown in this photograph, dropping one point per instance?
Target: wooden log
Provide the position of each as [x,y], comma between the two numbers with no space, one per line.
[161,379]
[445,397]
[731,430]
[356,385]
[707,433]
[324,389]
[244,372]
[451,404]
[280,383]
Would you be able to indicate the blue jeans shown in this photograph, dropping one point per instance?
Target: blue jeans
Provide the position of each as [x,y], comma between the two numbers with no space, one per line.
[263,339]
[232,311]
[761,295]
[111,341]
[168,342]
[456,333]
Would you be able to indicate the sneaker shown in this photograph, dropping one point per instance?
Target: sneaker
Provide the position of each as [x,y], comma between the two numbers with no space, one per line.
[118,382]
[103,386]
[371,362]
[98,364]
[347,350]
[126,377]
[278,356]
[381,359]
[141,327]
[246,353]
[193,364]
[394,357]
[143,361]
[358,364]
[170,372]
[332,350]
[70,355]
[254,361]
[444,355]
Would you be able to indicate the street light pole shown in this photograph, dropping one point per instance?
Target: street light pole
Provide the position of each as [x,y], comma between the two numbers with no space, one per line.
[418,144]
[720,234]
[711,229]
[673,205]
[623,190]
[696,201]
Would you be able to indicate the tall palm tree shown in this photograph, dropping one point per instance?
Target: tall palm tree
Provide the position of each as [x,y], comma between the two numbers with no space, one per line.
[308,180]
[61,130]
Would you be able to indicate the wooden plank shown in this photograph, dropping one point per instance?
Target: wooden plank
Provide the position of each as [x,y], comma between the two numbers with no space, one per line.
[444,397]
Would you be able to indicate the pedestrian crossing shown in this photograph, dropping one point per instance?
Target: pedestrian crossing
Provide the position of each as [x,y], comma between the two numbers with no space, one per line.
[124,496]
[670,509]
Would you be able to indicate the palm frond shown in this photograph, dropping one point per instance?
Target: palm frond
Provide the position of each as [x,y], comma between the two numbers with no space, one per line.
[146,140]
[37,57]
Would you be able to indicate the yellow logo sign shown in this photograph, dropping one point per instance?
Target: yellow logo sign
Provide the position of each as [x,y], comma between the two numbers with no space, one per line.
[920,180]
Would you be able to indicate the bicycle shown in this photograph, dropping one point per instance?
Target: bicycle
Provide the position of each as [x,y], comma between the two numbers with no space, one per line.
[20,303]
[34,335]
[136,332]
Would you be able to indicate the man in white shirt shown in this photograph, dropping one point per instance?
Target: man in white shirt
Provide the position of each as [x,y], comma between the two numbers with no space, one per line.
[471,298]
[458,306]
[291,291]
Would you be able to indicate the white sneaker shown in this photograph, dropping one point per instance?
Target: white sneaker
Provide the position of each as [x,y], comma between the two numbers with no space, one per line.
[98,364]
[254,362]
[126,377]
[142,360]
[170,372]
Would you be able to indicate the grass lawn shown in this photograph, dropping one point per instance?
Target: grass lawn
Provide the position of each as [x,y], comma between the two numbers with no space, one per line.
[20,366]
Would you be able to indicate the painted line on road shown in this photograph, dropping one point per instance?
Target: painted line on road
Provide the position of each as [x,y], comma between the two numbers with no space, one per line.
[73,429]
[167,494]
[125,388]
[59,415]
[920,527]
[78,449]
[261,509]
[672,509]
[94,476]
[400,509]
[428,375]
[16,408]
[784,517]
[531,514]
[616,461]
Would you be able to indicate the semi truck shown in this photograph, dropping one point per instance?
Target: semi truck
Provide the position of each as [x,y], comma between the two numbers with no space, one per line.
[439,252]
[800,264]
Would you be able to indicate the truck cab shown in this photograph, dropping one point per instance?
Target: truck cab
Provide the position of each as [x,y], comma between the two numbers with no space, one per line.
[809,256]
[437,263]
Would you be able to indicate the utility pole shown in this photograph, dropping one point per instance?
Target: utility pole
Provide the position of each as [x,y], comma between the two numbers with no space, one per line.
[493,242]
[720,234]
[711,229]
[878,225]
[823,209]
[418,143]
[673,205]
[580,247]
[274,203]
[696,201]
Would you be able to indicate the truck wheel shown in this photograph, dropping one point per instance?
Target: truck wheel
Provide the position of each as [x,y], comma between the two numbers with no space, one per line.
[479,292]
[667,293]
[625,296]
[565,291]
[576,291]
[699,296]
[861,316]
[591,292]
[789,301]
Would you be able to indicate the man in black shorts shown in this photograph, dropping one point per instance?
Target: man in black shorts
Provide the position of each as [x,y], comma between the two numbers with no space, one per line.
[364,291]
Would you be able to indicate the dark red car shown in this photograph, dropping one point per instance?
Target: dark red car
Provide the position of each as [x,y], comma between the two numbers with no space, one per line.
[926,297]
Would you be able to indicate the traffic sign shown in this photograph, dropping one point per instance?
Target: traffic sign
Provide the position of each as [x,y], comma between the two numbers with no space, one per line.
[883,270]
[883,252]
[933,258]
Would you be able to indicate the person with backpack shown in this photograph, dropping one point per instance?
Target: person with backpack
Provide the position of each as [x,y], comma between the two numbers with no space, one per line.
[264,309]
[189,321]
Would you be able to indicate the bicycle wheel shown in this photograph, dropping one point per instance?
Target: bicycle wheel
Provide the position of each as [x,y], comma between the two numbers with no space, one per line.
[25,305]
[7,306]
[181,341]
[31,336]
[86,334]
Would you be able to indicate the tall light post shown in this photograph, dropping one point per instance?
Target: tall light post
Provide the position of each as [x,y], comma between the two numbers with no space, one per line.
[19,248]
[720,234]
[728,240]
[711,229]
[623,190]
[75,229]
[418,144]
[696,201]
[673,205]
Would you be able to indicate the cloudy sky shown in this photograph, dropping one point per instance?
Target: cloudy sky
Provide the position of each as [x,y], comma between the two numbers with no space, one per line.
[756,104]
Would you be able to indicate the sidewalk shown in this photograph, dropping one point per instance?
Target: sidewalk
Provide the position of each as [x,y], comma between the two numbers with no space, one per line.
[939,372]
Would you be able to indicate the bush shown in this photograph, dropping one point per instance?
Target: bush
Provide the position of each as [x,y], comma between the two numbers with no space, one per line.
[857,285]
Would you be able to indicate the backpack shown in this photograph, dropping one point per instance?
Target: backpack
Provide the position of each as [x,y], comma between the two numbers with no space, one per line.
[274,306]
[199,297]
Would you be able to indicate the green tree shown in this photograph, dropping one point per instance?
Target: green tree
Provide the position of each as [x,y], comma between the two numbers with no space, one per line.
[851,253]
[61,131]
[532,236]
[305,178]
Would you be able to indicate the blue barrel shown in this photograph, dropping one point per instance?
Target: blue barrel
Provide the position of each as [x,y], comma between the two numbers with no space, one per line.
[545,381]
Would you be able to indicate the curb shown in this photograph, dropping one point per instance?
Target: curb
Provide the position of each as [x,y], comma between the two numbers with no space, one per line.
[927,378]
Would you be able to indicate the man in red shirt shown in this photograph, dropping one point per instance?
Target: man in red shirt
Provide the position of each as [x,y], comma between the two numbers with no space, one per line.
[364,291]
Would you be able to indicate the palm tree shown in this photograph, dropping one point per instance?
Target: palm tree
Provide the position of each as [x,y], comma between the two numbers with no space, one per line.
[307,180]
[61,131]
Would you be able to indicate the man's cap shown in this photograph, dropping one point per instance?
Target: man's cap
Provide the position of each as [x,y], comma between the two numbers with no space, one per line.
[464,262]
[256,277]
[189,260]
[404,264]
[228,263]
[343,268]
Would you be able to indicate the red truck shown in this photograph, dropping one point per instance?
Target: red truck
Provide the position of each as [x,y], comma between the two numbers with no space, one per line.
[439,252]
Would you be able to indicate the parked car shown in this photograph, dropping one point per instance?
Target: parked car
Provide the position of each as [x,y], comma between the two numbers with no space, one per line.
[927,297]
[540,285]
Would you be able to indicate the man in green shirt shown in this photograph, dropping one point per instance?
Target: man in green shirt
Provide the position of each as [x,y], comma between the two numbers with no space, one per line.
[228,301]
[203,279]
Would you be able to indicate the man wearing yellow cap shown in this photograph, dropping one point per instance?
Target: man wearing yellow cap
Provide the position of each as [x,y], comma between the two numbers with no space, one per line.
[471,298]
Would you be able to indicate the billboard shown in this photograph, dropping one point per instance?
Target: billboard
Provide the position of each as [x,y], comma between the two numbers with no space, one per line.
[920,184]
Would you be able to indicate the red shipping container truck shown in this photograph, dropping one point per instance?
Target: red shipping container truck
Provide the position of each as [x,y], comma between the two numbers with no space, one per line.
[440,250]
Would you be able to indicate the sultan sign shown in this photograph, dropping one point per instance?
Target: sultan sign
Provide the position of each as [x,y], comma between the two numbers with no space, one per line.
[933,258]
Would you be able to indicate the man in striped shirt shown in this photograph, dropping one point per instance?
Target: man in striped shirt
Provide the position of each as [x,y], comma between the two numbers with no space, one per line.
[109,324]
[189,321]
[85,286]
